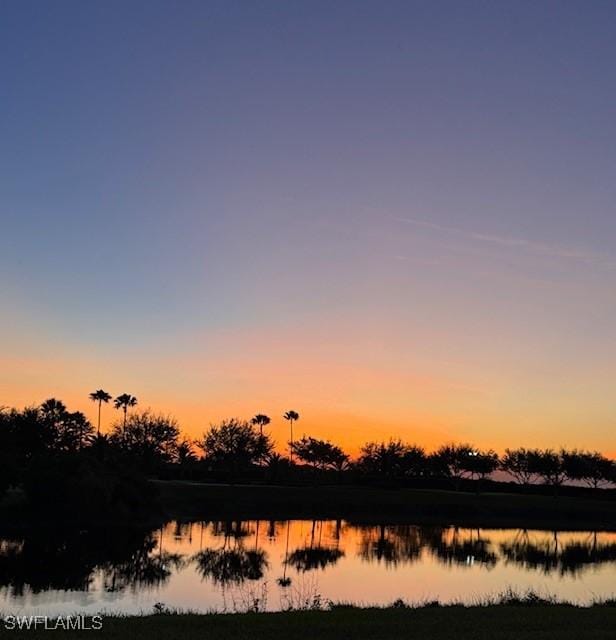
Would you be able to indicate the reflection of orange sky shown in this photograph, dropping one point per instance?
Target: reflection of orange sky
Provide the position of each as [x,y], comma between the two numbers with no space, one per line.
[190,537]
[249,534]
[349,384]
[367,571]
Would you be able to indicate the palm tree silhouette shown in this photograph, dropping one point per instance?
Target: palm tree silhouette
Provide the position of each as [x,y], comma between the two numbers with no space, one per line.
[53,409]
[99,396]
[262,420]
[123,402]
[291,416]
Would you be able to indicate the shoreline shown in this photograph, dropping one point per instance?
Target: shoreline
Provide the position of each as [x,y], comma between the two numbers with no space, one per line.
[368,505]
[192,501]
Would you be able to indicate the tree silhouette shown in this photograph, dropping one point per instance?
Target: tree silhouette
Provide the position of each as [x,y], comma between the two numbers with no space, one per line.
[592,468]
[320,454]
[75,431]
[549,466]
[456,461]
[519,463]
[393,459]
[278,467]
[148,438]
[291,416]
[47,446]
[262,420]
[99,396]
[234,445]
[123,402]
[65,431]
[53,410]
[185,454]
[480,464]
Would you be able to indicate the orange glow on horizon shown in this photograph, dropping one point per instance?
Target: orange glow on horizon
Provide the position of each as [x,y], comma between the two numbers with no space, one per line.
[344,393]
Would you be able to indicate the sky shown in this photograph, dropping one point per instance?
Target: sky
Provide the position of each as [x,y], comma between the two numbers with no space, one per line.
[397,218]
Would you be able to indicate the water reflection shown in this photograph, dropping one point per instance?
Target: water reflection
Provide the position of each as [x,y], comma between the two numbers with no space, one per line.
[192,564]
[67,560]
[315,555]
[464,548]
[142,569]
[391,545]
[311,558]
[553,556]
[225,566]
[398,544]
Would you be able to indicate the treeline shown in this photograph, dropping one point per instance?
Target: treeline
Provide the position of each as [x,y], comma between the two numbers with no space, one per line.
[51,457]
[237,446]
[53,462]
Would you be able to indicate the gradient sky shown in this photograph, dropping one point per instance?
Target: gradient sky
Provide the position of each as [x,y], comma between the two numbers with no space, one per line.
[394,217]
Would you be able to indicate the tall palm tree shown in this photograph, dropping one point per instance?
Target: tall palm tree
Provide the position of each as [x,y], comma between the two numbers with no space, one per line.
[291,416]
[262,420]
[123,402]
[99,396]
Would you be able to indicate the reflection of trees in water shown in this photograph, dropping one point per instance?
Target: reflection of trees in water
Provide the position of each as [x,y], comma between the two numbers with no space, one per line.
[233,563]
[68,560]
[275,528]
[549,555]
[38,563]
[399,544]
[144,567]
[182,531]
[284,581]
[311,558]
[231,566]
[466,548]
[135,558]
[235,529]
[390,544]
[316,555]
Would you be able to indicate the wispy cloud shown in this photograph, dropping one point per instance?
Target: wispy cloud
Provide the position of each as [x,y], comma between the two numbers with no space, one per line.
[538,248]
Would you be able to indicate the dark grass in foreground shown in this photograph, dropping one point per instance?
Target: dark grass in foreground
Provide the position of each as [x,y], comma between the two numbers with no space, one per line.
[503,621]
[192,500]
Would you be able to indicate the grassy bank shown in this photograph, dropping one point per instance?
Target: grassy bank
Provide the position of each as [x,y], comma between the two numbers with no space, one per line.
[365,504]
[504,622]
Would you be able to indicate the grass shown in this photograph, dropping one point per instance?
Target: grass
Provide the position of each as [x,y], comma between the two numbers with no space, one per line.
[187,500]
[514,621]
[366,504]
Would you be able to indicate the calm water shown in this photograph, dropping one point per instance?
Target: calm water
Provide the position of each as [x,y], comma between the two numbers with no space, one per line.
[234,566]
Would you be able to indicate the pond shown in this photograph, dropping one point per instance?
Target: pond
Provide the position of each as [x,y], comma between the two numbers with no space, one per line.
[241,565]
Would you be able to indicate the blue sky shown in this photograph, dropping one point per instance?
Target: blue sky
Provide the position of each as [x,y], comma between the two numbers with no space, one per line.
[437,173]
